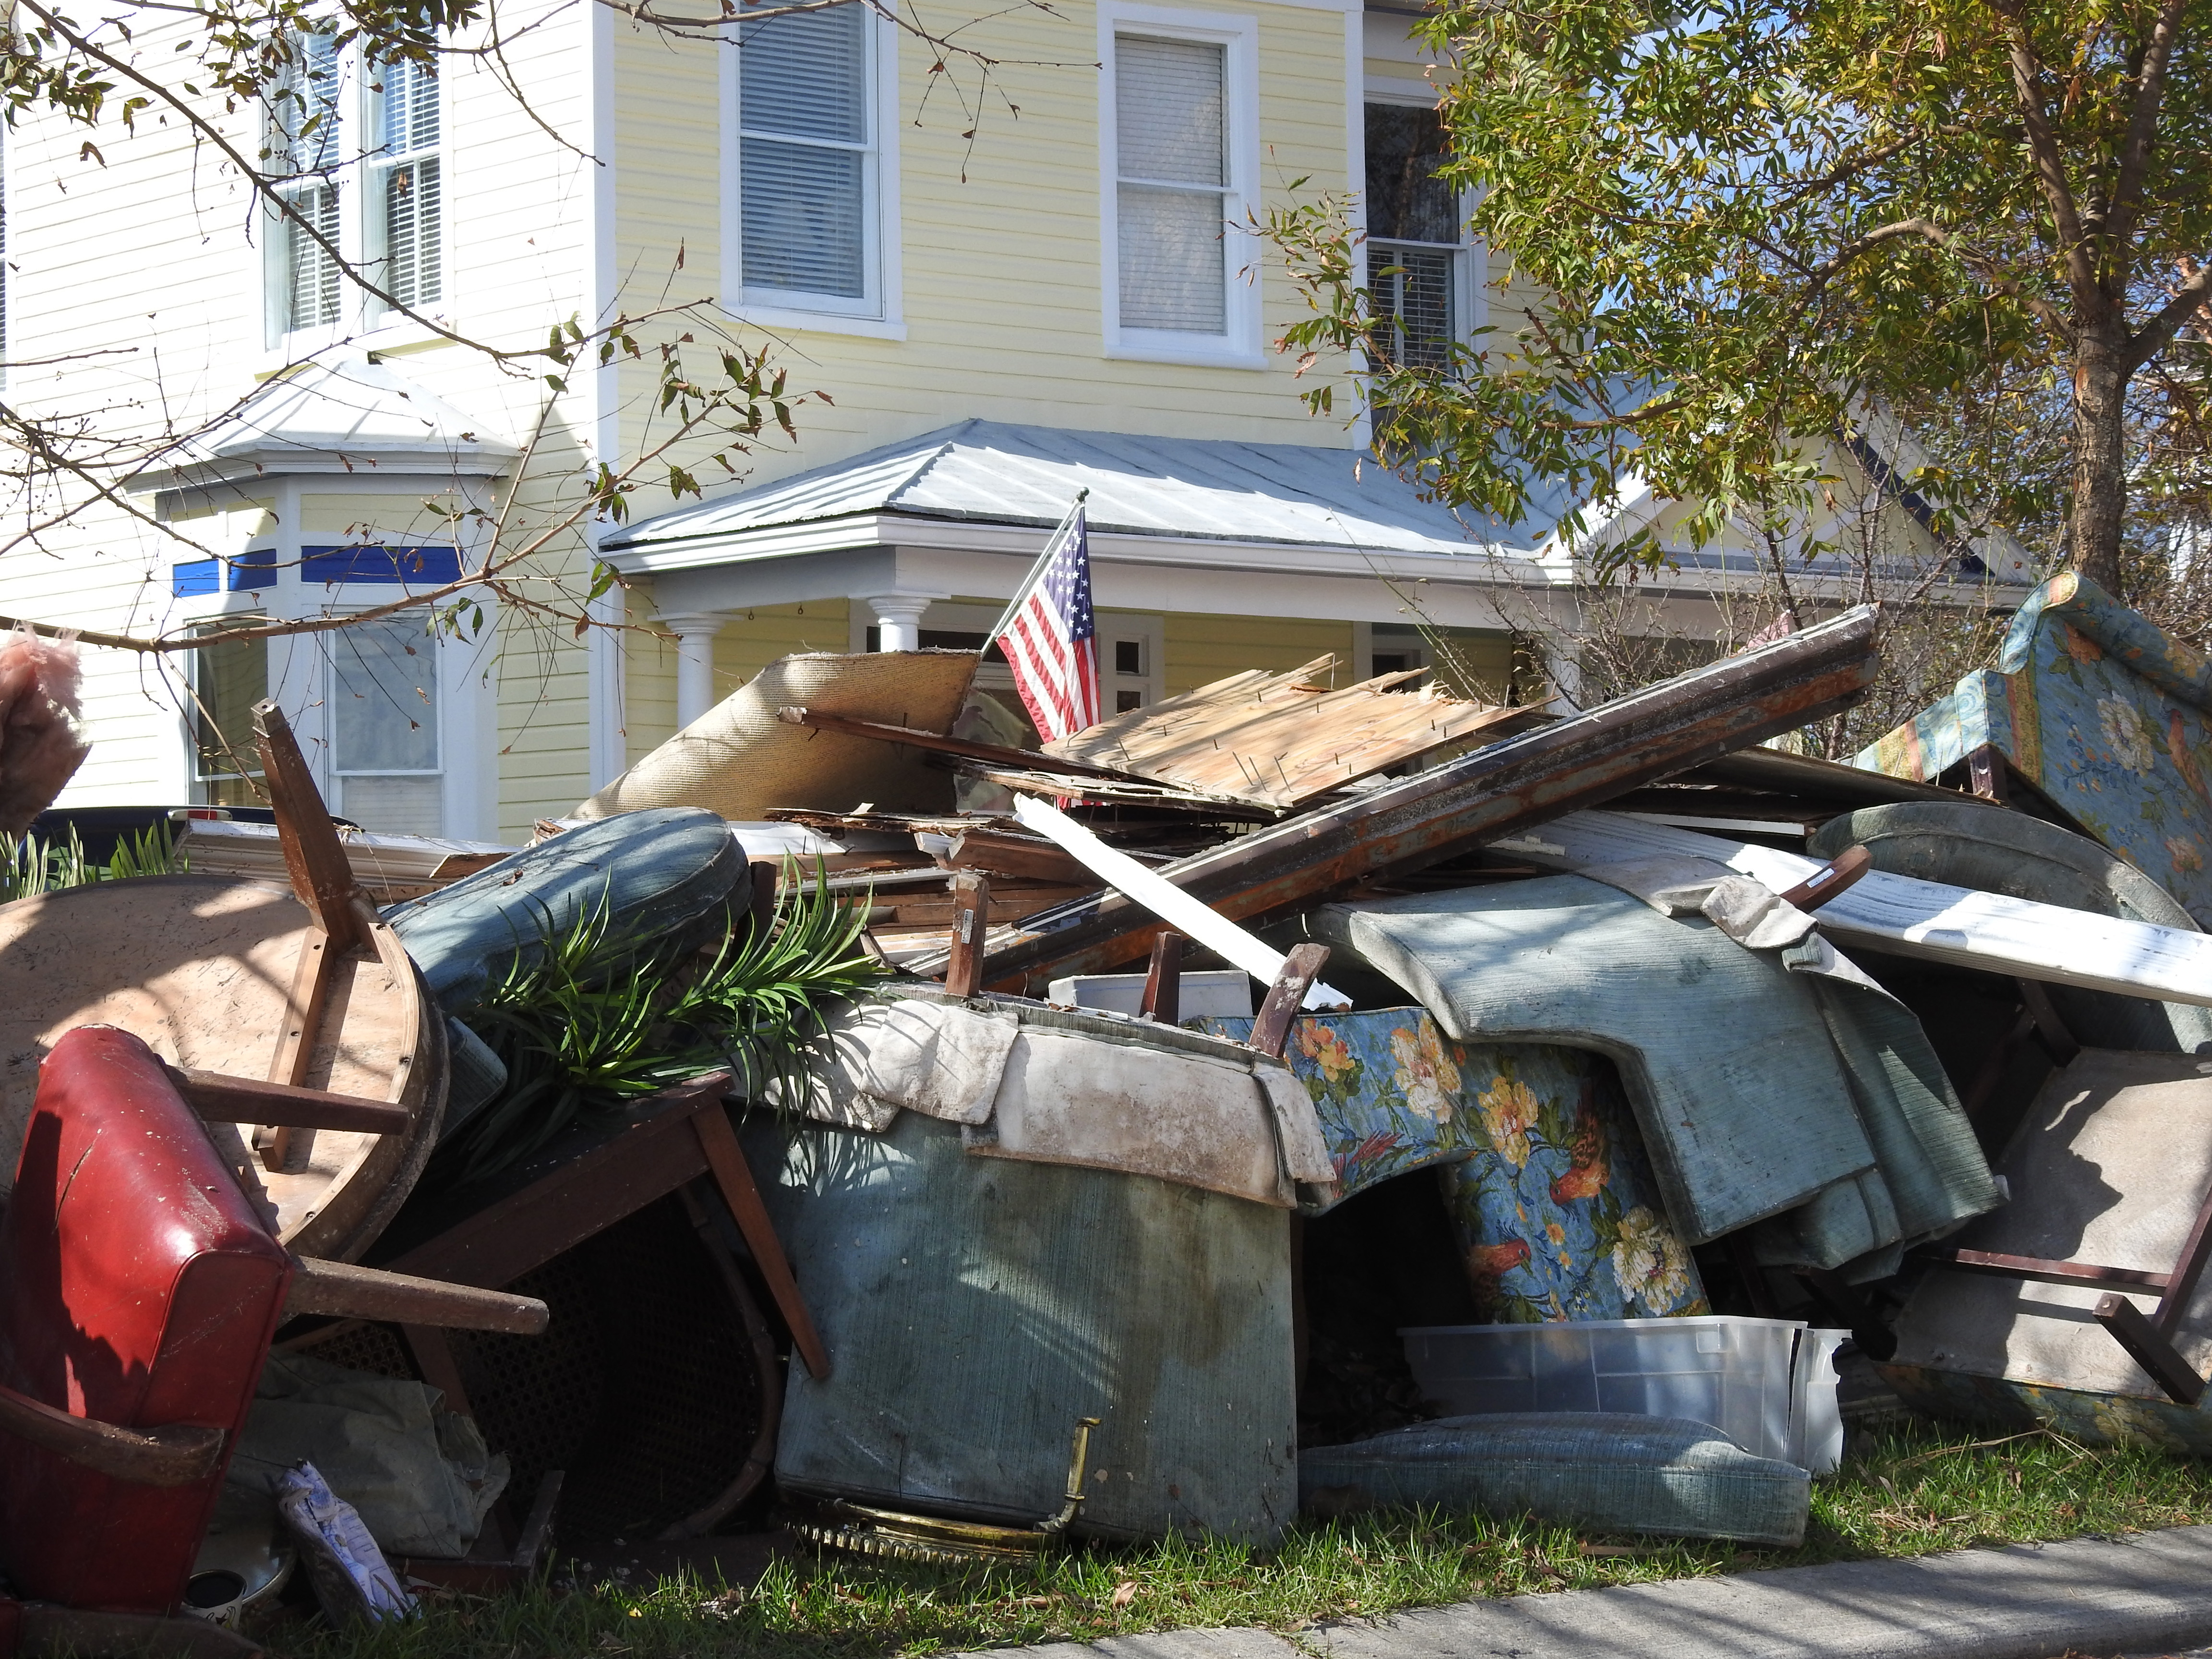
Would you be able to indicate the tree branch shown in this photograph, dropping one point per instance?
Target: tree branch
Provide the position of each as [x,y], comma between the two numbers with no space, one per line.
[2043,146]
[2154,336]
[2142,126]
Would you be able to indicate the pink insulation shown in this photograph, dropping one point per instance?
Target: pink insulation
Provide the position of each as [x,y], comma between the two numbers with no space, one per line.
[41,727]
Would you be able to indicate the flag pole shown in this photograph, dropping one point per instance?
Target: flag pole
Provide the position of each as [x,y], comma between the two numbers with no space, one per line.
[1036,570]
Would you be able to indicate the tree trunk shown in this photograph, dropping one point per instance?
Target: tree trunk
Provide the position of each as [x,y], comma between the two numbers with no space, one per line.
[2100,486]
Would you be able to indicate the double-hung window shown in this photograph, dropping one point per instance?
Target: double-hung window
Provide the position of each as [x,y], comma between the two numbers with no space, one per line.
[403,179]
[354,153]
[1416,251]
[1180,153]
[809,177]
[383,724]
[307,149]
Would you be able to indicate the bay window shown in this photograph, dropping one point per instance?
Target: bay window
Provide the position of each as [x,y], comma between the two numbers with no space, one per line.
[355,151]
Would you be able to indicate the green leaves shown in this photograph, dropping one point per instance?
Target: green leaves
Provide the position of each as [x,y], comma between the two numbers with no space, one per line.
[1718,230]
[597,1020]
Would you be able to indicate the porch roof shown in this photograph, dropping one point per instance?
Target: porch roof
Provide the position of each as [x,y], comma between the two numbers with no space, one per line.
[986,472]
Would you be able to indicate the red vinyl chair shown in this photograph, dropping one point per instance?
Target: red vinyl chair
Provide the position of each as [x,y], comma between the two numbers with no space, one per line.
[139,1291]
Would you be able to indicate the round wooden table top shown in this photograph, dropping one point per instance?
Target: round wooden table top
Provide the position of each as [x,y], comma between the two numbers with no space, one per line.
[201,969]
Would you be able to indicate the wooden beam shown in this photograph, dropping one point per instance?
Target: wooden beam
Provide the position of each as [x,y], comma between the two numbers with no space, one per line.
[1479,797]
[733,1176]
[971,921]
[1271,1030]
[2149,1348]
[343,1290]
[996,754]
[220,1099]
[2001,1266]
[1162,998]
[321,873]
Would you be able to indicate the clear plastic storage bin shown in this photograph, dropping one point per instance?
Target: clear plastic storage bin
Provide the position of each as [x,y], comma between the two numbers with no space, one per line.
[1730,1372]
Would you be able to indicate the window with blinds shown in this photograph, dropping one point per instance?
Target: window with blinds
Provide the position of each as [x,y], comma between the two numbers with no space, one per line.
[1414,243]
[404,180]
[806,152]
[305,149]
[1172,180]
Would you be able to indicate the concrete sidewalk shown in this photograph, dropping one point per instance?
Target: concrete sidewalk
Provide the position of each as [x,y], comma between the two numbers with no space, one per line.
[2143,1593]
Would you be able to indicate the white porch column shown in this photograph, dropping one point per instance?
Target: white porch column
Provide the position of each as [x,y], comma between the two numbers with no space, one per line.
[898,615]
[694,632]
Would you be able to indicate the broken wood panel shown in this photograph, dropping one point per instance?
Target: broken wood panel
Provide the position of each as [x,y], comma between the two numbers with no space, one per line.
[1279,740]
[1480,796]
[1926,920]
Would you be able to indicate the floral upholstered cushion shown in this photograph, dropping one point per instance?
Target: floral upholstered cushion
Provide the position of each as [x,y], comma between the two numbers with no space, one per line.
[1543,1170]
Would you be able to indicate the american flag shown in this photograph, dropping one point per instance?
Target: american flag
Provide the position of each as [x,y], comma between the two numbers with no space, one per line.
[1050,636]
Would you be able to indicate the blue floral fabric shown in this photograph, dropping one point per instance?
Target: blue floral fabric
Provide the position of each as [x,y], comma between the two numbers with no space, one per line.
[1543,1169]
[2104,714]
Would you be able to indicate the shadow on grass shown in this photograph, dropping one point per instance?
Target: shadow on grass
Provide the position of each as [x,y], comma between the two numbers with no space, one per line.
[1904,1494]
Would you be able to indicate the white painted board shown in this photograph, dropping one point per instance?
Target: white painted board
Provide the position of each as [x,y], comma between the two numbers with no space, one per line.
[1912,918]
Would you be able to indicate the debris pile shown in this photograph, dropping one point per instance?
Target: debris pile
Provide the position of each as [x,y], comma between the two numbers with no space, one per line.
[1285,1097]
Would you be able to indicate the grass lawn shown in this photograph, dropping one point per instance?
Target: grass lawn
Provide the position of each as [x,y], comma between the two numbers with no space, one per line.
[1902,1493]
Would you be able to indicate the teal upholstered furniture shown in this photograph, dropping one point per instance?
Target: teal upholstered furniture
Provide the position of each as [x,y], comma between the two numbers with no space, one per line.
[2102,712]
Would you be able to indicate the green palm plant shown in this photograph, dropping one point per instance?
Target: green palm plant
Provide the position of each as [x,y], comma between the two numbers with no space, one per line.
[596,1020]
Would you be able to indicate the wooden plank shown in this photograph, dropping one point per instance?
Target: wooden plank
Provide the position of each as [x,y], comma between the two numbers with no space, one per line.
[342,1289]
[1162,998]
[500,1244]
[2148,1347]
[1271,1030]
[1020,856]
[969,918]
[1832,880]
[1278,740]
[1495,791]
[1170,902]
[1926,920]
[1999,1265]
[221,1099]
[322,875]
[734,1177]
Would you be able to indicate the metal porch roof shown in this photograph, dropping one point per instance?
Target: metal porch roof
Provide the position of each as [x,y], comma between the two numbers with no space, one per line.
[986,471]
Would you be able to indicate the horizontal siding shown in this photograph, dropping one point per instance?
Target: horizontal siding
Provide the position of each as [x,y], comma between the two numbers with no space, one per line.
[1001,267]
[1202,648]
[146,274]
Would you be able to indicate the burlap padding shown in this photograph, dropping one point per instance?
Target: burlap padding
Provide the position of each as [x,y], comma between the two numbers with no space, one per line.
[740,760]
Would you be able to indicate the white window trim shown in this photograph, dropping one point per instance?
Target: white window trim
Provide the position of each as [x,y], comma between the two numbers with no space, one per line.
[1471,277]
[364,320]
[300,678]
[1150,628]
[880,316]
[1240,345]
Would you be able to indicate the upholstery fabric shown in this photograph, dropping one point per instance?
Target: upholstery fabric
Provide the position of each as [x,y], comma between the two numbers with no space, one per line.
[2104,714]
